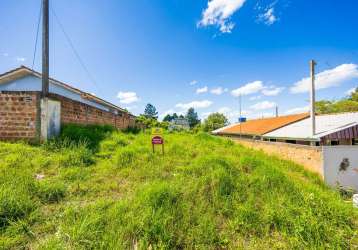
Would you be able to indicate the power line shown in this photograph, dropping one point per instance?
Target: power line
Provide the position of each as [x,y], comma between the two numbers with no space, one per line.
[37,37]
[83,65]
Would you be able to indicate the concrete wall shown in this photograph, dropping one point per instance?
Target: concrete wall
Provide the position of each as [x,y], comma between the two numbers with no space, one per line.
[309,157]
[19,115]
[341,166]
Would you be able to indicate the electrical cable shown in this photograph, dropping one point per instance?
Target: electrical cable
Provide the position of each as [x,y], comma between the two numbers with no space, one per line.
[37,37]
[81,62]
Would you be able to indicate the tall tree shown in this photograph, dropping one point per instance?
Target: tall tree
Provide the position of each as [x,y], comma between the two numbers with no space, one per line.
[192,117]
[215,121]
[150,112]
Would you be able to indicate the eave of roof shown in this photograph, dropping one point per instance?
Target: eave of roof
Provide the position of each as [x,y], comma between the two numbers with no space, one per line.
[325,125]
[24,71]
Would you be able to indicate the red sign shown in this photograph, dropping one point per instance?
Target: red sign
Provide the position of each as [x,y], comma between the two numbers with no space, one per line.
[157,140]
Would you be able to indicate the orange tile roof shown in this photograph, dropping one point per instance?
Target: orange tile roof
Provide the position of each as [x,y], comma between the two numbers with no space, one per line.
[263,126]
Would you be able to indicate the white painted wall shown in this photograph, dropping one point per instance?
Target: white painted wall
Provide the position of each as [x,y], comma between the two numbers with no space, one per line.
[33,83]
[340,166]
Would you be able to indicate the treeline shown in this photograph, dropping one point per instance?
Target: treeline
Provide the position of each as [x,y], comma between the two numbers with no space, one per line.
[348,104]
[214,121]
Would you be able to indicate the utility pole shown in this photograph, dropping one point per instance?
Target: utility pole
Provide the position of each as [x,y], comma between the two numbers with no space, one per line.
[45,48]
[276,111]
[313,98]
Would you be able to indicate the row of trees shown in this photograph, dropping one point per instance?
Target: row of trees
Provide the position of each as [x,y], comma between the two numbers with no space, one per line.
[348,104]
[214,121]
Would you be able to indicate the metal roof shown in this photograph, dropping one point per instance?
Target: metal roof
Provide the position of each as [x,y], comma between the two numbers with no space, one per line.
[260,126]
[325,125]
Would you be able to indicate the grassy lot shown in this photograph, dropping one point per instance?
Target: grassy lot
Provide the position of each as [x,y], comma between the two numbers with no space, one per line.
[205,193]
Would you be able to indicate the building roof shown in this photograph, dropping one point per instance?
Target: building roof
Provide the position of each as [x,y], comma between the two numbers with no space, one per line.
[25,71]
[325,125]
[261,126]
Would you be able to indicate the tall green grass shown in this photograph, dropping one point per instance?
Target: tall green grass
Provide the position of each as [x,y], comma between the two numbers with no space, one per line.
[204,193]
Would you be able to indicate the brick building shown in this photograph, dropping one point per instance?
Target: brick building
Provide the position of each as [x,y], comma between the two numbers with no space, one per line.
[20,106]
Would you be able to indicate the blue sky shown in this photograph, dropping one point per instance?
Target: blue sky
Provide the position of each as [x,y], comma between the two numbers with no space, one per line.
[181,53]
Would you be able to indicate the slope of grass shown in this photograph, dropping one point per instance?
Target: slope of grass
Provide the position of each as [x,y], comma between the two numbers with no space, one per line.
[205,193]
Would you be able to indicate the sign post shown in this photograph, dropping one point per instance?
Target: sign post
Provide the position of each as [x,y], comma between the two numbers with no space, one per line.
[157,138]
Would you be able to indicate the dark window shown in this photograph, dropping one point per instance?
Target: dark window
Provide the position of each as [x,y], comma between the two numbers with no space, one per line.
[291,141]
[334,143]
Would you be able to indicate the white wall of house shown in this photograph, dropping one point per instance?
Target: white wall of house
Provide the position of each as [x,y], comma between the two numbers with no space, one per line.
[340,166]
[33,83]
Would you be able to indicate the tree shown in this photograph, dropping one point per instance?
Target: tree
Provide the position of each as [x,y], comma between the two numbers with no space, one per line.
[151,112]
[354,95]
[168,118]
[349,104]
[192,117]
[215,121]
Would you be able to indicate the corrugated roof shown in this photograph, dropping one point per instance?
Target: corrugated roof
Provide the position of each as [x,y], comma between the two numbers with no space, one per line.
[261,126]
[325,125]
[23,71]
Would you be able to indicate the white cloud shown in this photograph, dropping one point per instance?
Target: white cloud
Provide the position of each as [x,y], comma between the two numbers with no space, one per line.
[131,107]
[249,88]
[253,98]
[268,17]
[193,82]
[127,97]
[20,59]
[224,110]
[219,12]
[272,91]
[218,90]
[194,104]
[168,112]
[263,105]
[202,90]
[298,110]
[233,115]
[328,78]
[350,91]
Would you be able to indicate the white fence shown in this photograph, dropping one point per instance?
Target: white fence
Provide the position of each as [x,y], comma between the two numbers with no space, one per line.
[340,166]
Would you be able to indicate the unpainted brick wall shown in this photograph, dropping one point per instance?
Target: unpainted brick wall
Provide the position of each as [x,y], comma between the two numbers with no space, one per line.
[73,112]
[19,115]
[307,156]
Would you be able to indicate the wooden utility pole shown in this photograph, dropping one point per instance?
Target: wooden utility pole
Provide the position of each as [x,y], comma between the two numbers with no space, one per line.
[313,98]
[45,48]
